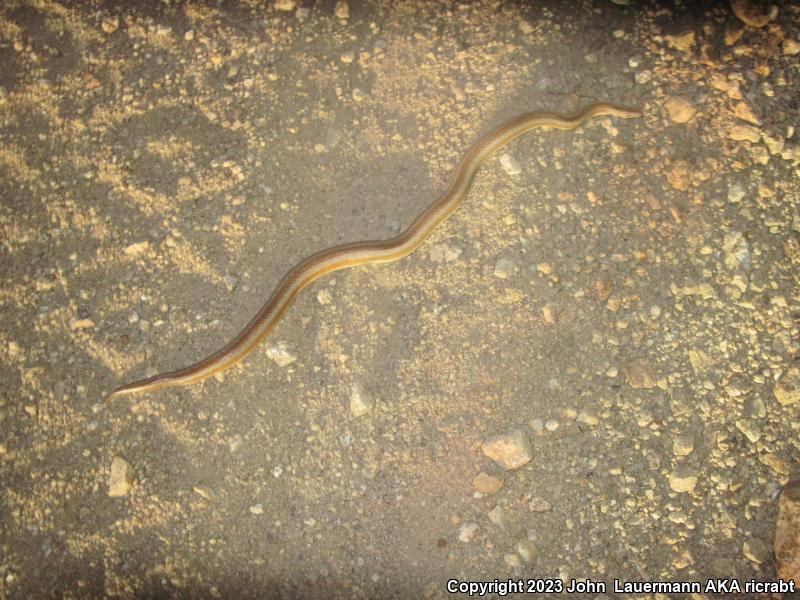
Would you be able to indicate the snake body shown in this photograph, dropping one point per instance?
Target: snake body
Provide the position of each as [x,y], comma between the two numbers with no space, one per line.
[377,251]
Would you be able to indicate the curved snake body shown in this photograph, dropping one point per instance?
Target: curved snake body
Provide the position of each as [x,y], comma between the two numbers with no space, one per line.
[360,253]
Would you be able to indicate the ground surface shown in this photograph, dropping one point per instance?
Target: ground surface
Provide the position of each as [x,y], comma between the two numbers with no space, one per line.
[625,294]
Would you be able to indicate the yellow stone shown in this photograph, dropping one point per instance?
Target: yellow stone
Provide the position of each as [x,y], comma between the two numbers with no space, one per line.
[680,110]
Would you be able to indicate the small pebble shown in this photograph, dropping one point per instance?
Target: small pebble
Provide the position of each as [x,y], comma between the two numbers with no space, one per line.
[683,479]
[679,175]
[360,400]
[510,164]
[735,193]
[744,133]
[736,251]
[525,27]
[342,10]
[497,516]
[639,374]
[680,110]
[749,429]
[324,296]
[110,25]
[790,47]
[588,417]
[510,450]
[525,550]
[467,532]
[753,13]
[281,355]
[487,484]
[121,476]
[538,505]
[285,5]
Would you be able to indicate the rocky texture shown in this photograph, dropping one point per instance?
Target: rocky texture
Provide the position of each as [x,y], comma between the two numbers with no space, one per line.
[787,533]
[627,295]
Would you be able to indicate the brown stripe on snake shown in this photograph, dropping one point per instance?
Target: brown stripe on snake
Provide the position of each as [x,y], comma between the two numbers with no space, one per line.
[378,251]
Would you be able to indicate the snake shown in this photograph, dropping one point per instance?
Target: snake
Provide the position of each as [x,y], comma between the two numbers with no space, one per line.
[366,252]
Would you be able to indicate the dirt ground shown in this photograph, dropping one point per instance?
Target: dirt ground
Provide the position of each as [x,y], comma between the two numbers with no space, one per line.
[623,299]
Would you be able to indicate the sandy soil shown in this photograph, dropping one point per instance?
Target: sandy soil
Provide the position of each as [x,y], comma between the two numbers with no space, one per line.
[625,295]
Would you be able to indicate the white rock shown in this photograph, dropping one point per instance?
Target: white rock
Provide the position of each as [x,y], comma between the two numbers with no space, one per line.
[467,532]
[510,164]
[360,400]
[281,355]
[737,252]
[120,479]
